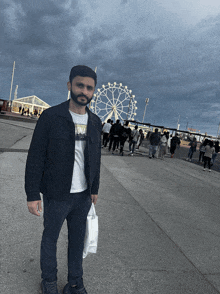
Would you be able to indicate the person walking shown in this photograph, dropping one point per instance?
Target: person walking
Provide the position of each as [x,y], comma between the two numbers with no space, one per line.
[63,163]
[154,142]
[163,145]
[202,150]
[116,132]
[168,142]
[175,142]
[192,149]
[216,152]
[148,135]
[133,140]
[140,138]
[209,151]
[111,138]
[125,133]
[106,129]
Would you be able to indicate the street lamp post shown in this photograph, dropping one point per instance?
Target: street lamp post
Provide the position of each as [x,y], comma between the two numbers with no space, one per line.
[218,130]
[178,125]
[146,101]
[16,93]
[9,102]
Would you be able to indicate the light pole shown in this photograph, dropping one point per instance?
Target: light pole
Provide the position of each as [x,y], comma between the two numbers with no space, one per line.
[218,130]
[9,102]
[178,125]
[146,101]
[16,93]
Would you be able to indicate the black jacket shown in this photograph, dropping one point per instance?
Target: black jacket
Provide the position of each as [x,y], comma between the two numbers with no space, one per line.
[116,129]
[155,139]
[50,161]
[175,141]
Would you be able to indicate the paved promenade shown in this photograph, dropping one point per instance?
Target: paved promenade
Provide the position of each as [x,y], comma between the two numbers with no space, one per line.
[158,221]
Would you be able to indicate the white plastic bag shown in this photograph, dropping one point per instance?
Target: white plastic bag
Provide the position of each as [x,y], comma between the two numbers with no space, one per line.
[91,236]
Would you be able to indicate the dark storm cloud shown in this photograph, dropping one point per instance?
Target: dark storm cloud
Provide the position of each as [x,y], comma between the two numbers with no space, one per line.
[37,29]
[145,47]
[189,65]
[174,71]
[126,61]
[93,39]
[124,1]
[37,36]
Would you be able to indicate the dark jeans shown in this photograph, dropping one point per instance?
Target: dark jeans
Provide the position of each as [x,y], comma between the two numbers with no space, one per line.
[207,160]
[75,211]
[172,149]
[132,143]
[116,143]
[190,154]
[122,143]
[105,139]
[214,157]
[111,139]
[201,155]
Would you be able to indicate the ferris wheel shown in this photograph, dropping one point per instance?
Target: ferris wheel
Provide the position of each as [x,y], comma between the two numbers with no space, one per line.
[114,100]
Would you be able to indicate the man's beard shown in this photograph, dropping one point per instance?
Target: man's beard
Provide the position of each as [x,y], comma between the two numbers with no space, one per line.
[74,97]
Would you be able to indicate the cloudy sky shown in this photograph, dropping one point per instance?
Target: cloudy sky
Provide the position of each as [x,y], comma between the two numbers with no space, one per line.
[164,50]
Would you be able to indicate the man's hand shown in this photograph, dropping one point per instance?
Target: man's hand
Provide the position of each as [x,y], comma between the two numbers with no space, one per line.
[94,198]
[34,207]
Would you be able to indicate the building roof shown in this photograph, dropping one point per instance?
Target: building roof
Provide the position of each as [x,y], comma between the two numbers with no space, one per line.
[32,100]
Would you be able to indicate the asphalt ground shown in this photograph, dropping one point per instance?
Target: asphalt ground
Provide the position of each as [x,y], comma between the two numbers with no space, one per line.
[158,224]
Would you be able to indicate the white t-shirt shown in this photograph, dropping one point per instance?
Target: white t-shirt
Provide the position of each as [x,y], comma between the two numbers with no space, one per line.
[106,128]
[135,135]
[79,182]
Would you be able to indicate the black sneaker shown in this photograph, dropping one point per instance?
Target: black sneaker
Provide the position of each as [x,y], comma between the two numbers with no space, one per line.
[49,287]
[78,289]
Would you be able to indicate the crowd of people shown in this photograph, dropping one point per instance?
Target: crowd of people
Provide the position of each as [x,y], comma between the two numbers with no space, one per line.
[208,153]
[26,111]
[115,135]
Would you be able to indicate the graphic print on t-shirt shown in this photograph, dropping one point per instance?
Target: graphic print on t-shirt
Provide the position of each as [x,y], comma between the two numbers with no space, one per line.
[79,182]
[80,132]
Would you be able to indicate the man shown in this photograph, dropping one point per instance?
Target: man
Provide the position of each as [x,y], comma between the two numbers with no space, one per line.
[192,149]
[175,141]
[63,164]
[106,129]
[163,145]
[126,131]
[154,142]
[133,140]
[140,138]
[115,133]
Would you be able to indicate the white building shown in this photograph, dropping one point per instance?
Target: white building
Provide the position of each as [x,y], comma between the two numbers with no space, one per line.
[30,102]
